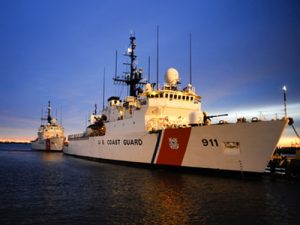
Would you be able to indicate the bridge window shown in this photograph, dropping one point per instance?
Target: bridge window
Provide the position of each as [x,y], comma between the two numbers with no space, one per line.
[187,98]
[179,97]
[175,96]
[156,96]
[183,97]
[192,98]
[171,96]
[161,95]
[167,96]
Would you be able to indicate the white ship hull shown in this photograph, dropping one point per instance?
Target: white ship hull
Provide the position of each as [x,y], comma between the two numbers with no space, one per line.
[167,127]
[51,144]
[50,136]
[244,147]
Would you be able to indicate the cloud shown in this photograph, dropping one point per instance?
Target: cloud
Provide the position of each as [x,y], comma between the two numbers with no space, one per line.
[14,121]
[17,133]
[268,112]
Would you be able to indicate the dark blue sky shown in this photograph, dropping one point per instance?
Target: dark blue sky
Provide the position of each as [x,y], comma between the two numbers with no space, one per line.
[243,53]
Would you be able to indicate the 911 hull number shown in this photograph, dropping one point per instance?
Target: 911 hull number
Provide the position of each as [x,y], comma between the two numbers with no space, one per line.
[210,142]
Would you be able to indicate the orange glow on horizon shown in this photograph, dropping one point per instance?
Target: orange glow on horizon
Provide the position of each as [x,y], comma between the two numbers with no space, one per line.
[289,142]
[19,140]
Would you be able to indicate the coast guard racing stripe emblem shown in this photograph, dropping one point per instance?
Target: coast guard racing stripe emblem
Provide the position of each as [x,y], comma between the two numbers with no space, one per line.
[173,146]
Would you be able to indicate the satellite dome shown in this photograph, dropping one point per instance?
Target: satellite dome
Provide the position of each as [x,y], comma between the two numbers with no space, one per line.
[172,77]
[53,121]
[147,87]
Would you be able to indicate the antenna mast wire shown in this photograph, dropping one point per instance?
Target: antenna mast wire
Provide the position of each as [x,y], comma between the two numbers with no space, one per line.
[116,64]
[103,94]
[157,57]
[149,69]
[190,58]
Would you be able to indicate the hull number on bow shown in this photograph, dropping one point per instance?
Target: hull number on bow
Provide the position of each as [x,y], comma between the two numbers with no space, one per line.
[210,142]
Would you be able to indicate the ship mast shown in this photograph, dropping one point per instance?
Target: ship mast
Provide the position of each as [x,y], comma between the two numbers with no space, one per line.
[49,113]
[134,77]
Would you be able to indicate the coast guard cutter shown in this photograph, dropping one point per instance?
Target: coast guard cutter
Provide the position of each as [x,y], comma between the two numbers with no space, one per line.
[50,135]
[166,127]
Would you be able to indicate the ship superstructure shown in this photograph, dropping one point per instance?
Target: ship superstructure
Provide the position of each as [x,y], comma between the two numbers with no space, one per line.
[50,135]
[166,126]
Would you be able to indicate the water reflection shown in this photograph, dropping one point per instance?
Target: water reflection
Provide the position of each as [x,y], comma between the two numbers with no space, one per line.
[164,197]
[50,188]
[52,156]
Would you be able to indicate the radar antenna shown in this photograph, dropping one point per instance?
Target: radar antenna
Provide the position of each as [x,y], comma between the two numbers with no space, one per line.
[134,77]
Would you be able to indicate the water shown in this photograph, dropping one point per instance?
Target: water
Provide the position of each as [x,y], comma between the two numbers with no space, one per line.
[52,188]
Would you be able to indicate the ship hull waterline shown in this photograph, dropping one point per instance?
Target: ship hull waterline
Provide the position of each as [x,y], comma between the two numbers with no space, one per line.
[50,144]
[239,147]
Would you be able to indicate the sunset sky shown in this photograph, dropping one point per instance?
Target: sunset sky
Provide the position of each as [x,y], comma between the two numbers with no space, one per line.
[243,52]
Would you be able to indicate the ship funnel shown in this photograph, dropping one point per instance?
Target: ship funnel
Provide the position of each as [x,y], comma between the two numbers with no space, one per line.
[172,77]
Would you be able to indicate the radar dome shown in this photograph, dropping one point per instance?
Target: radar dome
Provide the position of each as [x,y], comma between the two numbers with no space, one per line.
[53,121]
[172,77]
[147,87]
